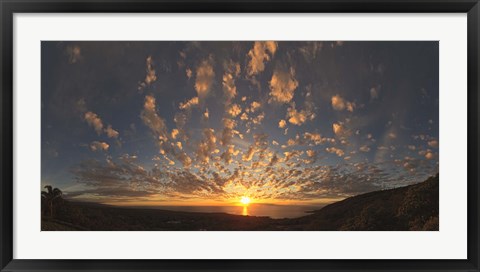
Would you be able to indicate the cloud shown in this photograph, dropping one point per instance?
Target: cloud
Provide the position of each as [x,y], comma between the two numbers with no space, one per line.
[175,133]
[170,162]
[310,50]
[336,151]
[74,54]
[189,104]
[204,78]
[184,159]
[248,156]
[295,117]
[261,52]
[282,86]
[340,130]
[229,88]
[126,178]
[180,120]
[188,72]
[151,119]
[111,133]
[291,154]
[316,138]
[229,153]
[232,70]
[429,155]
[207,145]
[254,106]
[179,145]
[94,121]
[99,146]
[234,110]
[339,104]
[244,117]
[291,142]
[260,145]
[151,76]
[258,119]
[228,131]
[364,148]
[299,117]
[433,143]
[112,179]
[274,160]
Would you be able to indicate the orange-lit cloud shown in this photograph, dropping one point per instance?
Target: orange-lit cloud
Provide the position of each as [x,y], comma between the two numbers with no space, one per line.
[364,148]
[188,72]
[298,117]
[99,146]
[111,133]
[429,155]
[261,52]
[189,104]
[339,129]
[433,143]
[282,86]
[339,104]
[339,152]
[232,70]
[151,119]
[174,133]
[316,138]
[207,145]
[151,75]
[234,110]
[94,121]
[204,78]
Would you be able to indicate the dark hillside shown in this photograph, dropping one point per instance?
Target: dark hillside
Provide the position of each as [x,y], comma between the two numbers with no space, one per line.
[413,207]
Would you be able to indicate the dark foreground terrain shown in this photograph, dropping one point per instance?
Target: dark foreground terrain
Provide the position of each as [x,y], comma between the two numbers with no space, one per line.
[412,207]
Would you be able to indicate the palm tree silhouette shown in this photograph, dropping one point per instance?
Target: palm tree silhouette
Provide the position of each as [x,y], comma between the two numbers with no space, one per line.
[51,197]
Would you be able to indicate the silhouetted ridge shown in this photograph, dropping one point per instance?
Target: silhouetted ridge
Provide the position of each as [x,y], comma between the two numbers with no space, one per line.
[413,207]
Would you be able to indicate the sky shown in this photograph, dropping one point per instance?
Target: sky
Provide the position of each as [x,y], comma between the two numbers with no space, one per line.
[208,122]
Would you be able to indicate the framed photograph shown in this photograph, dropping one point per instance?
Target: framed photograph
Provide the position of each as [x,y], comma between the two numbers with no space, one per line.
[239,136]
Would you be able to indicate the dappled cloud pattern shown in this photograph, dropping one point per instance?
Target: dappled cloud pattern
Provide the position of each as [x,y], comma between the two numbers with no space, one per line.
[204,122]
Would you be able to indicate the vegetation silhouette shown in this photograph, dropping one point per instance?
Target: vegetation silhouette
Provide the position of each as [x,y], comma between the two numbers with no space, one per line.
[51,199]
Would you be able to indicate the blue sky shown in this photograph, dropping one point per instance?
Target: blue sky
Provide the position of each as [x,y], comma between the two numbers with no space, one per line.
[154,123]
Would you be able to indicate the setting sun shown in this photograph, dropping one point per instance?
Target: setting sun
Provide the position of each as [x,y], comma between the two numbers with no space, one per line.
[245,200]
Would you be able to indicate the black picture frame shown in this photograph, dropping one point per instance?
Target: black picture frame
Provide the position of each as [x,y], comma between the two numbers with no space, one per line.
[9,7]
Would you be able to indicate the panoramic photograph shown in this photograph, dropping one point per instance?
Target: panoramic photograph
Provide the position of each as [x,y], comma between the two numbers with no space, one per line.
[239,136]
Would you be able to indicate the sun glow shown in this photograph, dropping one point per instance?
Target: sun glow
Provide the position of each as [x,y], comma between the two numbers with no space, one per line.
[245,200]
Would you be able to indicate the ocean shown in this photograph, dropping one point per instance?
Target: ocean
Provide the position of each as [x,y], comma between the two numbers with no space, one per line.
[272,211]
